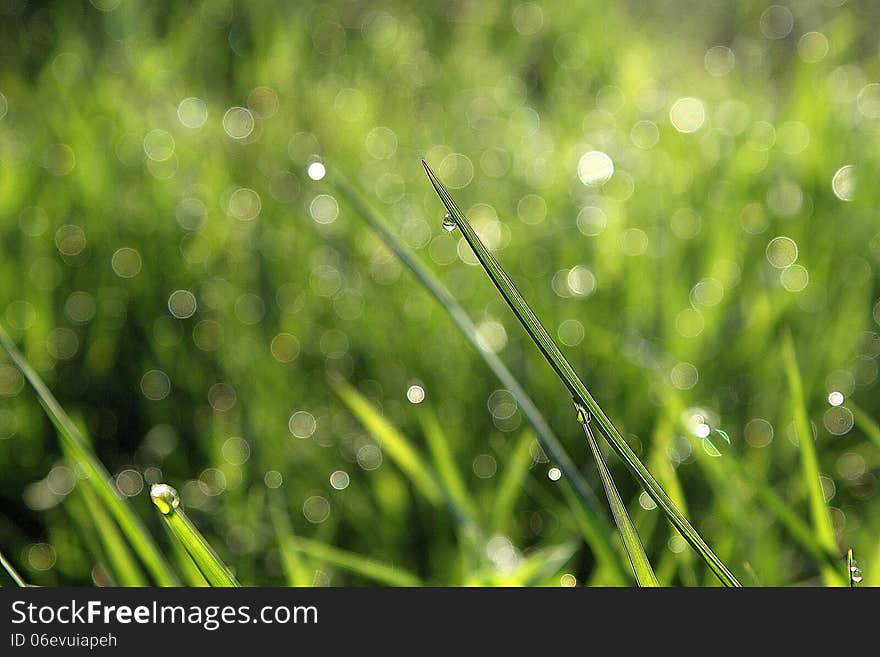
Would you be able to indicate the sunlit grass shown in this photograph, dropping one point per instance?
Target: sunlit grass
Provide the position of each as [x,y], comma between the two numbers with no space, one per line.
[574,384]
[184,288]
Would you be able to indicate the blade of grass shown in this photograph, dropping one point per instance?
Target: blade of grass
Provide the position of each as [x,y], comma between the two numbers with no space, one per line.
[632,544]
[865,422]
[123,565]
[531,570]
[122,513]
[215,571]
[516,468]
[612,570]
[81,518]
[10,570]
[355,563]
[796,527]
[394,443]
[575,386]
[295,570]
[548,440]
[819,512]
[192,576]
[445,464]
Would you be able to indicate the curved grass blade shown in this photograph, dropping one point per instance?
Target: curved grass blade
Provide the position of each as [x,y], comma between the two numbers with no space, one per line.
[10,570]
[355,563]
[632,544]
[819,512]
[575,386]
[548,440]
[215,571]
[122,513]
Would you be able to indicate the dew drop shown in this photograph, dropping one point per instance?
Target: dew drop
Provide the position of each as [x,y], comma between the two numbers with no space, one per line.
[711,445]
[855,573]
[583,415]
[448,223]
[165,498]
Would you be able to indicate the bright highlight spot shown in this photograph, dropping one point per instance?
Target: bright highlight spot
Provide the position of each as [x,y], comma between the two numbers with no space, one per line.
[595,168]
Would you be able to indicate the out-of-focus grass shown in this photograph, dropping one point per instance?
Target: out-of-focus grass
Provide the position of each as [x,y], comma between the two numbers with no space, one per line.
[664,285]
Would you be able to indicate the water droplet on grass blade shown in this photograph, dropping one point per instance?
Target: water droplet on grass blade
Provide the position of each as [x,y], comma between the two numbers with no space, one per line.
[448,223]
[855,573]
[583,415]
[713,440]
[165,498]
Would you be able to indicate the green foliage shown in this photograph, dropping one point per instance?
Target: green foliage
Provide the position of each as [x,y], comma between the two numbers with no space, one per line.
[628,534]
[574,384]
[184,288]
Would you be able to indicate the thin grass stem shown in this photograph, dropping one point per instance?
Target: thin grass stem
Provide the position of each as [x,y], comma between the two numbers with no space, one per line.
[638,560]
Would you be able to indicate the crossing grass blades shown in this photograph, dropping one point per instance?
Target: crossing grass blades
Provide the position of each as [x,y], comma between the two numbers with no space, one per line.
[587,409]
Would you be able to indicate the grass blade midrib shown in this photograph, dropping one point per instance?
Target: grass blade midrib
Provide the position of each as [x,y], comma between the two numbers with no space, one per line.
[575,386]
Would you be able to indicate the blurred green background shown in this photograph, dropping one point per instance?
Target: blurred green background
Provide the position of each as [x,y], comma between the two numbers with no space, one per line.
[185,288]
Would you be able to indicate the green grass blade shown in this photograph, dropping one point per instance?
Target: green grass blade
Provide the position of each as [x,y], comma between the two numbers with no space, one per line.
[356,563]
[548,440]
[122,513]
[445,464]
[796,527]
[10,570]
[82,519]
[819,512]
[628,535]
[534,569]
[866,423]
[511,485]
[215,571]
[188,569]
[295,571]
[122,564]
[576,387]
[612,569]
[394,444]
